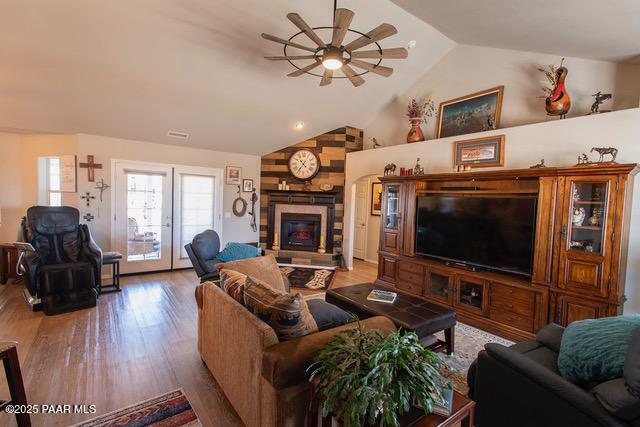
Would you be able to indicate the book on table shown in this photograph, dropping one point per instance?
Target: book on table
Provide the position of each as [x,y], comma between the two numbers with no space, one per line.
[379,295]
[444,407]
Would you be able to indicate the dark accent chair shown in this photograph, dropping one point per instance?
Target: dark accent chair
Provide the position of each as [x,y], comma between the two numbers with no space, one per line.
[63,270]
[203,252]
[520,385]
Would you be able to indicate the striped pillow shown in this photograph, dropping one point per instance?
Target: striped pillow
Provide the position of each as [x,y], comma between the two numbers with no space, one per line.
[287,314]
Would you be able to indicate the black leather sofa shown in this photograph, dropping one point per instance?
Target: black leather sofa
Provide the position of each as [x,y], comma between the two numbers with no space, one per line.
[520,386]
[62,272]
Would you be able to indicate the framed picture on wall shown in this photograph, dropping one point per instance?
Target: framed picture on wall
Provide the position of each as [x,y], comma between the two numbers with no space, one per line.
[376,198]
[68,174]
[247,185]
[477,112]
[233,175]
[479,152]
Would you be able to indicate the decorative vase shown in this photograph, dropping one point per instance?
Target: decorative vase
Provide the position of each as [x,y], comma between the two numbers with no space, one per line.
[559,103]
[415,134]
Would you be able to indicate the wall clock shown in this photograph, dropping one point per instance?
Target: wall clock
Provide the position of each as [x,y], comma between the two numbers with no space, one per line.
[304,164]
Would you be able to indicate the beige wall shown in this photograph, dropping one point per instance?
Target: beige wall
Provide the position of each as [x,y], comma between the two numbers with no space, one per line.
[19,176]
[558,142]
[469,69]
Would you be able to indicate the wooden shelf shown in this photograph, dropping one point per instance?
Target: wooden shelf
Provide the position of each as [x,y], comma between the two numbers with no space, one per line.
[586,227]
[588,202]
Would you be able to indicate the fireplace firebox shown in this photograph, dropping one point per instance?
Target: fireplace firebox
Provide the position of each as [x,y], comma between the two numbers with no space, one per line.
[300,231]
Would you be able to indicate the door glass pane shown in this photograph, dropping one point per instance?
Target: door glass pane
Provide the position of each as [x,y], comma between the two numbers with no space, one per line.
[439,285]
[197,207]
[144,216]
[588,216]
[392,206]
[471,294]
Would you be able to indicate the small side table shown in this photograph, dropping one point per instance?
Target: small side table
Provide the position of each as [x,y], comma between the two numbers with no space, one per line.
[113,259]
[9,356]
[8,262]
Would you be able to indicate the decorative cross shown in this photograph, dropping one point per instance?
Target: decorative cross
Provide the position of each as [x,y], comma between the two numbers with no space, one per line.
[88,198]
[88,217]
[90,166]
[102,186]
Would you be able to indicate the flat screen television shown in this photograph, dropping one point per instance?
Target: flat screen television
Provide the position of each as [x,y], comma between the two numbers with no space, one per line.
[494,232]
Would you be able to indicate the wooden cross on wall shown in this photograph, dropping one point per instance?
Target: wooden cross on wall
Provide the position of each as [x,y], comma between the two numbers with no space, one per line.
[90,166]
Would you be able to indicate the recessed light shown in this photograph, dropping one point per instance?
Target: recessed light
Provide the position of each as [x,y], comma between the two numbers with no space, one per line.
[412,44]
[299,125]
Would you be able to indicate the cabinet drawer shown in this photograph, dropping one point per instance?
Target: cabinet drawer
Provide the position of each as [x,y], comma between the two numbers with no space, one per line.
[510,292]
[412,267]
[405,276]
[409,287]
[519,321]
[512,305]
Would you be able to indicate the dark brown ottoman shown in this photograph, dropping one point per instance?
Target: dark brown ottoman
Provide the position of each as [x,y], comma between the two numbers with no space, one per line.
[408,312]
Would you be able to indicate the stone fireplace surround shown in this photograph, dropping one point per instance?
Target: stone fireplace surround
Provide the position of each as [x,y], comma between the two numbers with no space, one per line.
[317,203]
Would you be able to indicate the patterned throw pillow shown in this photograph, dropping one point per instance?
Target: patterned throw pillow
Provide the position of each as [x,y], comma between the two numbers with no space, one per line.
[287,314]
[233,283]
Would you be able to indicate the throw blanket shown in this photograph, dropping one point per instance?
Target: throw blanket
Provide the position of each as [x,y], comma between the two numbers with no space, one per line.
[236,251]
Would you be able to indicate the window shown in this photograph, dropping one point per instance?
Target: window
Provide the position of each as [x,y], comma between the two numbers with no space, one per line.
[197,206]
[54,196]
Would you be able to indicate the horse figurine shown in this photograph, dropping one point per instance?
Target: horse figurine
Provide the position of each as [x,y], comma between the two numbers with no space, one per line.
[390,169]
[613,152]
[559,103]
[599,99]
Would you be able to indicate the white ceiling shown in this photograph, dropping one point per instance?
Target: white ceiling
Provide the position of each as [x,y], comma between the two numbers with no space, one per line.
[598,29]
[136,69]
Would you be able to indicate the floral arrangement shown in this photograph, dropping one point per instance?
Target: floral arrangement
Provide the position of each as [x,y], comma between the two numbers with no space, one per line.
[551,74]
[420,108]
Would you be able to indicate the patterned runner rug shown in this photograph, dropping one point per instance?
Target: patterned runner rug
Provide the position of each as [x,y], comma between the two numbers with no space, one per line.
[315,279]
[169,410]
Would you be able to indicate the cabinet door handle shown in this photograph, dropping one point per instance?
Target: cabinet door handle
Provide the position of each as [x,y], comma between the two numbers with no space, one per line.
[564,232]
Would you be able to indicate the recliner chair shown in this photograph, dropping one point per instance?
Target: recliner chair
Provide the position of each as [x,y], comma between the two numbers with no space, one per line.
[63,270]
[202,251]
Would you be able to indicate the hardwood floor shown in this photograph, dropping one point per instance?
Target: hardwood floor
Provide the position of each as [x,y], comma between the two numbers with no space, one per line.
[134,345]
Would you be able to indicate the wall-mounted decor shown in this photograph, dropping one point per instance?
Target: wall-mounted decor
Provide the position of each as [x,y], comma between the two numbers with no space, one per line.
[247,185]
[68,174]
[479,152]
[87,198]
[102,186]
[233,175]
[304,164]
[90,166]
[376,198]
[239,206]
[477,112]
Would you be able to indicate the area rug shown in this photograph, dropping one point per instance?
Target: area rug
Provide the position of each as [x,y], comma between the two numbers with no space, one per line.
[169,410]
[309,278]
[469,341]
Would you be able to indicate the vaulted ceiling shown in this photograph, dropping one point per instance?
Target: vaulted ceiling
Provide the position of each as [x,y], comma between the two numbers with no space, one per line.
[137,69]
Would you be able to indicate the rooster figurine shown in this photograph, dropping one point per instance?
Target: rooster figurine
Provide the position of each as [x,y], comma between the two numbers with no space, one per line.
[559,103]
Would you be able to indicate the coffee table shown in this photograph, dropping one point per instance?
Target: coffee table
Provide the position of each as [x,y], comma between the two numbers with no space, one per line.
[408,312]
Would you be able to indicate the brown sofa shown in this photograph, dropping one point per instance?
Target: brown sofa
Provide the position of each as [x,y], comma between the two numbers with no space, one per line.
[264,379]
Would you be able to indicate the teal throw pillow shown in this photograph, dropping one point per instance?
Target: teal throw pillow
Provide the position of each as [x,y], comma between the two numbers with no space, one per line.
[235,251]
[594,350]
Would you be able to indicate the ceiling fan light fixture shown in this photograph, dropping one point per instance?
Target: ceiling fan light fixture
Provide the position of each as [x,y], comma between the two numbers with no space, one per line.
[332,59]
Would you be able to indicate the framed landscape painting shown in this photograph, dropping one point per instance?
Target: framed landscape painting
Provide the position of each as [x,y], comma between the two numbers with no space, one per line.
[376,198]
[480,152]
[477,112]
[233,175]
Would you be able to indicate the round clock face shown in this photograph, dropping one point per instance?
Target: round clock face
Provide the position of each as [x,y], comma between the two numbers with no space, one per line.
[304,164]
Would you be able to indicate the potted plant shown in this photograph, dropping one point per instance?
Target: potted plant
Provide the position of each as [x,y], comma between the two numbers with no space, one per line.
[365,378]
[417,111]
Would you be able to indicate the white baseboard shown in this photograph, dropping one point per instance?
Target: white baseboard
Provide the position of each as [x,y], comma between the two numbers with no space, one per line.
[372,261]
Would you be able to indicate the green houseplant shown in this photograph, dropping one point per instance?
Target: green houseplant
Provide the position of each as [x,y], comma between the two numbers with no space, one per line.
[367,378]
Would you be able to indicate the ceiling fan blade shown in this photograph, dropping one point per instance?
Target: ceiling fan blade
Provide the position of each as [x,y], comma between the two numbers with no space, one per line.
[378,69]
[288,43]
[288,58]
[301,71]
[305,28]
[393,53]
[342,20]
[351,75]
[327,77]
[382,31]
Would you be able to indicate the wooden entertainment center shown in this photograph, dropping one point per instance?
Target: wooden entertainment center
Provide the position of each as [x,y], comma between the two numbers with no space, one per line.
[578,266]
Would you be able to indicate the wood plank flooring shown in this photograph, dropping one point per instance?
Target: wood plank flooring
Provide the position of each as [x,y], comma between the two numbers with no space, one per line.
[134,345]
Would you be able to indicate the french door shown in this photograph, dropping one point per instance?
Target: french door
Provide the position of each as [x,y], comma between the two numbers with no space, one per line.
[158,209]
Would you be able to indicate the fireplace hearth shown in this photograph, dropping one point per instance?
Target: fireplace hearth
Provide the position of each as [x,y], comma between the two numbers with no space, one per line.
[300,231]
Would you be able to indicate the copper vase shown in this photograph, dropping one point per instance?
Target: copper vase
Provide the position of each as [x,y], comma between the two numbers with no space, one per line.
[559,103]
[415,134]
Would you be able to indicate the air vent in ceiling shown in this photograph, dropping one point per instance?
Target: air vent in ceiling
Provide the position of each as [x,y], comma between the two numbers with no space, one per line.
[178,135]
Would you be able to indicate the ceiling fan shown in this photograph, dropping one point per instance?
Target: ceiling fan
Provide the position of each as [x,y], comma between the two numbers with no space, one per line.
[334,55]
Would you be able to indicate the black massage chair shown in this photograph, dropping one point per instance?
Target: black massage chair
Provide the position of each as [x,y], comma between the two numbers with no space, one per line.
[62,269]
